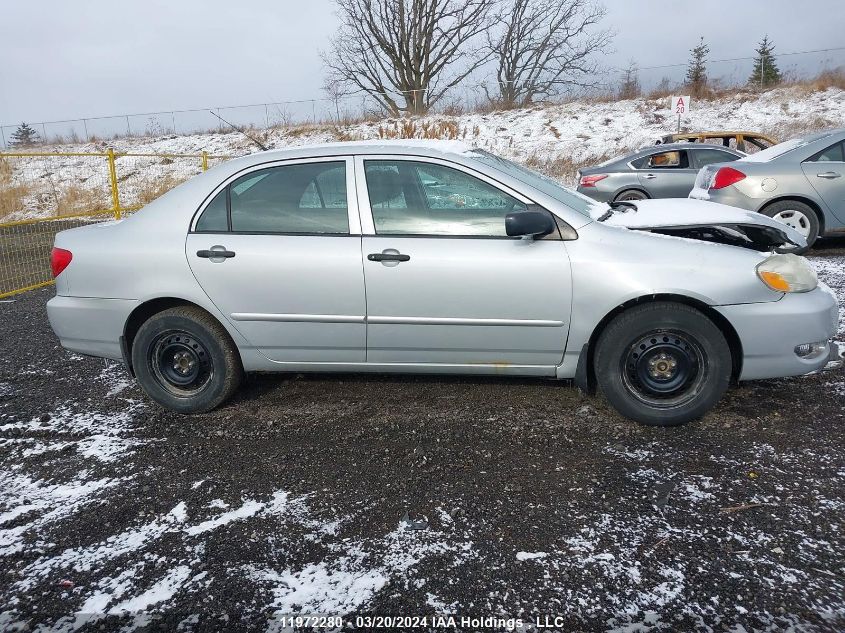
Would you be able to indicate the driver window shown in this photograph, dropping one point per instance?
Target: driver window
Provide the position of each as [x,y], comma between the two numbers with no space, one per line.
[416,198]
[668,160]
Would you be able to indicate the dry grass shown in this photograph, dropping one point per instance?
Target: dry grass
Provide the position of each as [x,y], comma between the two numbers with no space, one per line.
[11,195]
[443,129]
[562,168]
[823,81]
[159,187]
[73,199]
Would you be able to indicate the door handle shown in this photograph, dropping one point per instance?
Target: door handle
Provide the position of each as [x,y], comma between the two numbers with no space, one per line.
[649,176]
[828,174]
[214,254]
[388,257]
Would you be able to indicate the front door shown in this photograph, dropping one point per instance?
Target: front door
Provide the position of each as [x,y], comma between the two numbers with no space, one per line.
[445,284]
[278,251]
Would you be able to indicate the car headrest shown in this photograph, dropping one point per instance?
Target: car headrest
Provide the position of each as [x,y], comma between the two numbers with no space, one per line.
[383,185]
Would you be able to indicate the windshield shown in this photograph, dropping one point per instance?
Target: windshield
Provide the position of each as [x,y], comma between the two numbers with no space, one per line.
[552,188]
[770,153]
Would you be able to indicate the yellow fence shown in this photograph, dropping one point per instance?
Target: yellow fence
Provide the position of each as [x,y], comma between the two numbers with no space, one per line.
[44,193]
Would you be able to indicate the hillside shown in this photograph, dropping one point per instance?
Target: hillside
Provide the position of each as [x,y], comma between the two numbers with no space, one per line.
[556,139]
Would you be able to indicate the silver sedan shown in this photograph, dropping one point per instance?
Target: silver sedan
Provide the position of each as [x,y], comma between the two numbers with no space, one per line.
[800,182]
[658,171]
[437,258]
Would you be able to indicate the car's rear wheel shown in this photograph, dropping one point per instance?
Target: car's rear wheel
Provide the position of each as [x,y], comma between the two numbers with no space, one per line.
[662,364]
[799,216]
[631,194]
[185,360]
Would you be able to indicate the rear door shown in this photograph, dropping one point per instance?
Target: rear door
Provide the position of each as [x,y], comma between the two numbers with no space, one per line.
[278,251]
[667,174]
[826,173]
[445,285]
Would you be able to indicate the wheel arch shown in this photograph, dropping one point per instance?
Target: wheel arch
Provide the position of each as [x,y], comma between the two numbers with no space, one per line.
[144,312]
[637,187]
[815,206]
[585,377]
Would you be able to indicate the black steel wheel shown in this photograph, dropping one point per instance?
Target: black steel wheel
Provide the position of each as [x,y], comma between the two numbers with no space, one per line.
[662,363]
[181,363]
[185,360]
[664,368]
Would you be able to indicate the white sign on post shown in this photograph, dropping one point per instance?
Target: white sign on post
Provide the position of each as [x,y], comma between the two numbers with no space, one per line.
[681,107]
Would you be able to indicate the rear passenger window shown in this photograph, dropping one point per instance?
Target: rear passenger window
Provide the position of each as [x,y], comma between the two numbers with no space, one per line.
[214,217]
[711,156]
[306,198]
[832,154]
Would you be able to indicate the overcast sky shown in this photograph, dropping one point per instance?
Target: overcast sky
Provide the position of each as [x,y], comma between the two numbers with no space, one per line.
[61,60]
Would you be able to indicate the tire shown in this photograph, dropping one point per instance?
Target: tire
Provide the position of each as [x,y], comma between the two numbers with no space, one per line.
[185,360]
[662,364]
[630,194]
[800,216]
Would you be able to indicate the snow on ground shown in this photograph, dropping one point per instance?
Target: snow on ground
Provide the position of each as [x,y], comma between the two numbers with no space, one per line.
[555,138]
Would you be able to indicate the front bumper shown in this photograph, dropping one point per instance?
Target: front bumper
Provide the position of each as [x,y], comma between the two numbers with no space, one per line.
[88,325]
[769,332]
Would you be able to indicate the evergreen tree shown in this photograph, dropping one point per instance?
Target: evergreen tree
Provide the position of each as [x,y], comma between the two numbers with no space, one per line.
[630,88]
[24,136]
[766,71]
[697,70]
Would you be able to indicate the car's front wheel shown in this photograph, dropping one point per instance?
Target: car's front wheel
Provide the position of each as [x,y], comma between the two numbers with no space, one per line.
[185,360]
[662,363]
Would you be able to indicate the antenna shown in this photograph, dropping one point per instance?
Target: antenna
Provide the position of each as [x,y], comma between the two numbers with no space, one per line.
[235,127]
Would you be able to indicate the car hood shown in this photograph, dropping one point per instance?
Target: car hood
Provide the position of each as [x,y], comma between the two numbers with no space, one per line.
[706,221]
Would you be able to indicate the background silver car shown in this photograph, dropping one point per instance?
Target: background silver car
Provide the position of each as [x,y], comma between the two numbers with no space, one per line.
[661,171]
[800,182]
[436,258]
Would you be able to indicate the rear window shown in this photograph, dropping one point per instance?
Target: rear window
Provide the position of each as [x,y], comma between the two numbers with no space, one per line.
[307,198]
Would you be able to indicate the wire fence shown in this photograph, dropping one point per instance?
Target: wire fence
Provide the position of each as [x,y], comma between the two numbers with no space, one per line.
[469,95]
[44,193]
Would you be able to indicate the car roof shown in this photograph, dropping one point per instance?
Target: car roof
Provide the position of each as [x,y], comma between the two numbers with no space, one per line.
[685,145]
[666,147]
[398,147]
[716,133]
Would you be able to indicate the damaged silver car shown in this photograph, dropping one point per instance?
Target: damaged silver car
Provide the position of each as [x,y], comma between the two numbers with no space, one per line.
[435,257]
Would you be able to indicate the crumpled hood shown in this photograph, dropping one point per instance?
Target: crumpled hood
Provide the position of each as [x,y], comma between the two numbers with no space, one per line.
[674,215]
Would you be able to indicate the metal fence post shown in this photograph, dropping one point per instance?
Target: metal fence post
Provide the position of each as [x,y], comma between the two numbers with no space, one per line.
[115,198]
[205,161]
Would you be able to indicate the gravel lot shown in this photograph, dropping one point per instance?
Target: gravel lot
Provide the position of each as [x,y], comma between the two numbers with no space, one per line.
[523,499]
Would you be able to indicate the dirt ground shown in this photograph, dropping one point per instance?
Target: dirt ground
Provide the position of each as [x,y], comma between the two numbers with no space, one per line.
[414,496]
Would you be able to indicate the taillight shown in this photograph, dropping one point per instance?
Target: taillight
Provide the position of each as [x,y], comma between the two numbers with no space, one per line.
[59,260]
[725,177]
[590,181]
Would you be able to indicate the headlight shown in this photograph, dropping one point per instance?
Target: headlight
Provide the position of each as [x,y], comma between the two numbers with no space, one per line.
[787,273]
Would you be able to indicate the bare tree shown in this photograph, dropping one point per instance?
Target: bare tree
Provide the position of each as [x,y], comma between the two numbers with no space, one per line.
[630,87]
[542,46]
[406,54]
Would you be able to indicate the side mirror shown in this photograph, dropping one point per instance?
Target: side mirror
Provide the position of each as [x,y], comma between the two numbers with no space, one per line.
[529,223]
